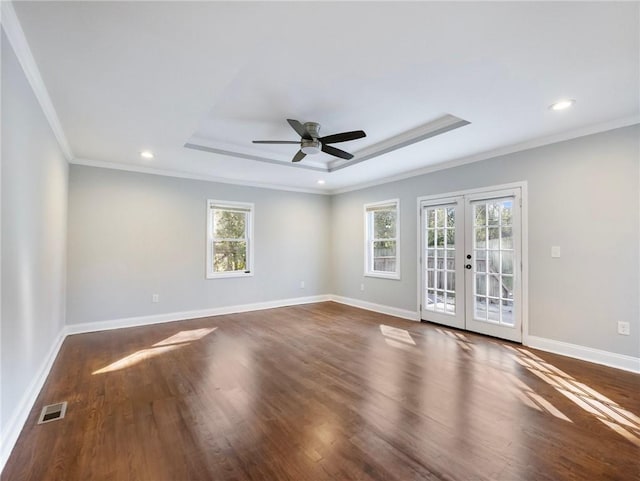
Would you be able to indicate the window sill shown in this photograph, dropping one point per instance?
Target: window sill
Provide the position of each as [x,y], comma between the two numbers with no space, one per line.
[383,275]
[224,275]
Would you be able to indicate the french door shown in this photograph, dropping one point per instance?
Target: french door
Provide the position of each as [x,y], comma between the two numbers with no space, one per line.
[471,262]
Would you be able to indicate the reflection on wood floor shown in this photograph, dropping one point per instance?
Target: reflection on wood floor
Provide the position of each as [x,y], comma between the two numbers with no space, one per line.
[326,392]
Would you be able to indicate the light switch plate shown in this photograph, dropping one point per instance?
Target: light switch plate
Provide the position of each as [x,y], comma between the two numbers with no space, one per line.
[555,251]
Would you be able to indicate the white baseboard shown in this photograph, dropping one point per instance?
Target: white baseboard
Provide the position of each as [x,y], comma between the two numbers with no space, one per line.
[11,430]
[181,316]
[370,306]
[606,358]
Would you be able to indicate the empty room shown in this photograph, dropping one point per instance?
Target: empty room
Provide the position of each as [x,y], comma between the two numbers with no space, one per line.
[376,241]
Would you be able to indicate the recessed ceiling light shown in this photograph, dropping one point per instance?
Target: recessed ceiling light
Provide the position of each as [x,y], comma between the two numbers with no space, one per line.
[562,104]
[146,154]
[321,182]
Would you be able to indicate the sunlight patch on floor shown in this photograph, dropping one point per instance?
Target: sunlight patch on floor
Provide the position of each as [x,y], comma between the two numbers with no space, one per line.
[395,336]
[171,343]
[461,340]
[532,399]
[612,415]
[186,336]
[135,358]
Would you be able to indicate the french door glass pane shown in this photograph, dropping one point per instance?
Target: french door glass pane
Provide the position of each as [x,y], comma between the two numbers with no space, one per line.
[480,305]
[507,261]
[494,286]
[493,214]
[481,238]
[480,215]
[429,276]
[451,302]
[451,281]
[507,312]
[493,310]
[451,217]
[481,285]
[494,258]
[506,238]
[494,261]
[431,259]
[507,284]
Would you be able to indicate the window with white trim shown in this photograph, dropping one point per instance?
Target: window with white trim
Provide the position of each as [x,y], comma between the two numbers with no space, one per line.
[229,239]
[382,237]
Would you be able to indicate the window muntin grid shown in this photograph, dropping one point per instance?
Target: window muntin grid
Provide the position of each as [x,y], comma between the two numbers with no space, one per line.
[440,253]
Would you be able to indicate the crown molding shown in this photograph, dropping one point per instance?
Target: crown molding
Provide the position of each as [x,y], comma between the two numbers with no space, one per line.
[15,34]
[509,149]
[188,175]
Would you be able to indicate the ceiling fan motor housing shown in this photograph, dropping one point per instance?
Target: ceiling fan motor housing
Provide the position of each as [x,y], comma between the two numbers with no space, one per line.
[313,128]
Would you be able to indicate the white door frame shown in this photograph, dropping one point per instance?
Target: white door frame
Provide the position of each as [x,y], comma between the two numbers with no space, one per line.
[525,243]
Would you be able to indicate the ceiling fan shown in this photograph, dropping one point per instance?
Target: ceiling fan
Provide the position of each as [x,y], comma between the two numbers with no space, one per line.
[311,142]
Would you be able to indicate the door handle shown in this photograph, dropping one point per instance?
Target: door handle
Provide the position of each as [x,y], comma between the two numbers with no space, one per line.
[468,266]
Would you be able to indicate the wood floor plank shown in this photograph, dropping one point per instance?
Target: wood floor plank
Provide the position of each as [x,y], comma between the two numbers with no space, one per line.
[325,392]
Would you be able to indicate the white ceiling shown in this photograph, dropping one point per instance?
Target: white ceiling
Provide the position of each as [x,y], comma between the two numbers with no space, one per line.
[128,76]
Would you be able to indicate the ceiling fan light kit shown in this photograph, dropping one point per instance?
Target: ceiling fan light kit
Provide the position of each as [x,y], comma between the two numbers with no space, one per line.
[310,147]
[311,142]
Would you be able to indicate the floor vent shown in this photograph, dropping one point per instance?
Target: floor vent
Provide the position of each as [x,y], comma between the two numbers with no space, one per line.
[52,412]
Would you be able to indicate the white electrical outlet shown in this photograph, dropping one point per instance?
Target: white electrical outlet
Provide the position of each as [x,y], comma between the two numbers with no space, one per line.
[301,284]
[624,328]
[362,287]
[155,298]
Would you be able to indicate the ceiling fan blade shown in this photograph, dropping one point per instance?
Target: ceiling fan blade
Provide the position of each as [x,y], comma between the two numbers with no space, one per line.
[327,149]
[276,141]
[299,156]
[298,127]
[343,137]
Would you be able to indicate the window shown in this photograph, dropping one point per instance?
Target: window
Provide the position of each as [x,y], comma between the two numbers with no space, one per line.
[382,250]
[229,239]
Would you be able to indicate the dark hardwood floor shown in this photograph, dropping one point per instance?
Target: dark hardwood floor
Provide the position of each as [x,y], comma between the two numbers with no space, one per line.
[325,392]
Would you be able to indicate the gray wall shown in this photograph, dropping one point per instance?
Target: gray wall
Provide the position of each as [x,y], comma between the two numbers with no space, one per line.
[583,197]
[132,235]
[34,226]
